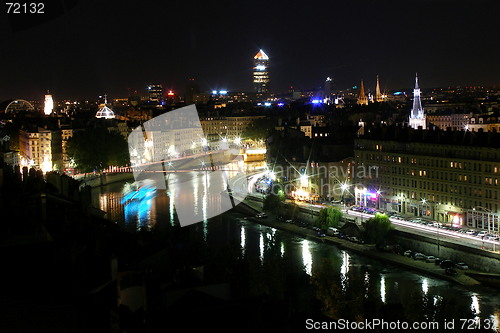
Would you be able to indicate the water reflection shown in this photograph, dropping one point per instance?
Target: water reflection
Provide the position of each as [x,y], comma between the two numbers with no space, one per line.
[425,286]
[261,247]
[367,284]
[137,204]
[306,256]
[475,305]
[255,240]
[344,269]
[382,288]
[243,239]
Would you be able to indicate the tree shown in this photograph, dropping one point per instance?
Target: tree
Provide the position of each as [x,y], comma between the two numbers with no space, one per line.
[328,217]
[292,209]
[95,149]
[274,203]
[377,229]
[259,129]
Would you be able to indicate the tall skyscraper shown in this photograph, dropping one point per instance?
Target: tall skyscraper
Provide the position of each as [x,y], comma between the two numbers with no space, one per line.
[192,89]
[261,72]
[328,90]
[362,98]
[417,115]
[155,92]
[48,105]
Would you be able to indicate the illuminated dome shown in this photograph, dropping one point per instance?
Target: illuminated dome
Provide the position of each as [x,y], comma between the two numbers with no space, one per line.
[105,112]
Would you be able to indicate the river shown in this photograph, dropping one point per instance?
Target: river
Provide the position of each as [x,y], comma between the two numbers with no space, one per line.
[351,274]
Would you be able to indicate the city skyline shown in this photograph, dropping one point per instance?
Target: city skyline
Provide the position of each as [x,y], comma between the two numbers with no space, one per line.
[73,58]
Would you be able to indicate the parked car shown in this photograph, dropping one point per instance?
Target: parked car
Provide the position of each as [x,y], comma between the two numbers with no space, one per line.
[320,234]
[446,264]
[437,261]
[419,256]
[332,231]
[430,259]
[450,271]
[482,234]
[289,221]
[353,239]
[261,215]
[408,253]
[461,265]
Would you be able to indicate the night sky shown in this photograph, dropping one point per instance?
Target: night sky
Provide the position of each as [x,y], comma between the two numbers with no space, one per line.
[100,47]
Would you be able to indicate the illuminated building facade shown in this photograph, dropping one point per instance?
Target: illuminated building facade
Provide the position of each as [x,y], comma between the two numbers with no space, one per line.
[450,177]
[449,120]
[155,92]
[229,127]
[261,73]
[41,148]
[48,106]
[105,112]
[417,115]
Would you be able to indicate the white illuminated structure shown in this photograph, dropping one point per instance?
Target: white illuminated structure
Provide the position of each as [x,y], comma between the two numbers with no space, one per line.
[378,95]
[261,72]
[104,111]
[417,115]
[48,105]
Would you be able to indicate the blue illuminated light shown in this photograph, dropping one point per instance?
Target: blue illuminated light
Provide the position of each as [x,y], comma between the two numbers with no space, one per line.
[214,92]
[137,204]
[316,101]
[281,104]
[223,92]
[267,104]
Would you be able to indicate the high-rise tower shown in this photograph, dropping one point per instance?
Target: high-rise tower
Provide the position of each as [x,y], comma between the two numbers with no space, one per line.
[417,115]
[362,98]
[328,90]
[378,95]
[48,106]
[261,72]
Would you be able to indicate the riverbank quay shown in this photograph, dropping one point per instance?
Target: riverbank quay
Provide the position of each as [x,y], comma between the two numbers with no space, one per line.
[106,179]
[367,250]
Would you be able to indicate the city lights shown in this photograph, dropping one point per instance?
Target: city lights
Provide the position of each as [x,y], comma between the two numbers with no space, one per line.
[48,105]
[304,181]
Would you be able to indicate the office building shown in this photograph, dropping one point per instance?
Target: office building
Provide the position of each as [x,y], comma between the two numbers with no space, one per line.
[448,176]
[261,73]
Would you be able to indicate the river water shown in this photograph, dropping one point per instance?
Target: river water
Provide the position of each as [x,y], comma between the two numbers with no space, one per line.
[349,273]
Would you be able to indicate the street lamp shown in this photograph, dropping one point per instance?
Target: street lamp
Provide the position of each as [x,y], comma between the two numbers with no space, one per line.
[344,187]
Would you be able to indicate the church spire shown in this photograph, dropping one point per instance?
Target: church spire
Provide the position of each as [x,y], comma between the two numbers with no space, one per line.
[378,95]
[362,99]
[417,114]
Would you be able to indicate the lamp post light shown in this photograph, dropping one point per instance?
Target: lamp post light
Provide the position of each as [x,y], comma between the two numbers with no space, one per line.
[344,187]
